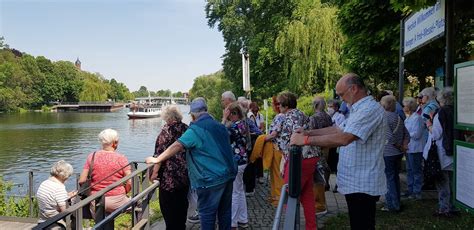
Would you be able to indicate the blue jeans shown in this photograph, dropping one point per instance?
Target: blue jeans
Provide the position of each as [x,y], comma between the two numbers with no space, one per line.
[414,173]
[216,200]
[392,168]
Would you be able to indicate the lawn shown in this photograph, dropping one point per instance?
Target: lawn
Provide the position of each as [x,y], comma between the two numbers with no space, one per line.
[415,215]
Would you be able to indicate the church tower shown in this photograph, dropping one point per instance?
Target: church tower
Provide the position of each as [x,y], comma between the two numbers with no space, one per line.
[78,64]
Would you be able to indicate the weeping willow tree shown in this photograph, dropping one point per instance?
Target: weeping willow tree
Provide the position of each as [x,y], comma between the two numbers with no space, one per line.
[311,44]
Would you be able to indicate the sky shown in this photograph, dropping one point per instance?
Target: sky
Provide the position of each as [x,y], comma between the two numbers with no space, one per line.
[160,44]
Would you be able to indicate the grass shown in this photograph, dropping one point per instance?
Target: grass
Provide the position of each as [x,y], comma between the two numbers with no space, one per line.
[124,221]
[415,215]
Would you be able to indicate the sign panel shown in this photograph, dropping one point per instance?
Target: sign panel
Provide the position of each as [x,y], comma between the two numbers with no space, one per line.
[423,26]
[464,169]
[464,85]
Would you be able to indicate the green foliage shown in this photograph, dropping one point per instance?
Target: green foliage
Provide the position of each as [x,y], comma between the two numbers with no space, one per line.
[211,88]
[12,206]
[372,29]
[305,104]
[29,82]
[293,45]
[310,44]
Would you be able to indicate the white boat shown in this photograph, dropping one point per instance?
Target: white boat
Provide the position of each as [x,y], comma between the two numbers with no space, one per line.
[139,112]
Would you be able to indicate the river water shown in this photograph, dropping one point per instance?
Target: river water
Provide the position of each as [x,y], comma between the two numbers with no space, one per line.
[34,141]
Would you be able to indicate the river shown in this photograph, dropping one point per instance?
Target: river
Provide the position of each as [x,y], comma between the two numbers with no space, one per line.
[34,141]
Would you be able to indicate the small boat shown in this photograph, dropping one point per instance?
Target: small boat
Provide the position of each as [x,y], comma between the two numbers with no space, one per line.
[139,112]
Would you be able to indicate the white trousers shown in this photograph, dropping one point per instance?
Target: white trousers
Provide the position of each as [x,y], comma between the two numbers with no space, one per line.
[239,202]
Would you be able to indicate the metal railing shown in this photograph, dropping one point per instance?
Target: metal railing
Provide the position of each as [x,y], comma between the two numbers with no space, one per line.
[140,215]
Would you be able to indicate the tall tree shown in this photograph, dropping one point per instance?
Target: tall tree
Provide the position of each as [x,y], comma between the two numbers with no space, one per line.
[311,44]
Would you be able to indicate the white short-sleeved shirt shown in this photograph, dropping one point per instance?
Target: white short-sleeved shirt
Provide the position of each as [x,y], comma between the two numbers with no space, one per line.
[51,194]
[361,164]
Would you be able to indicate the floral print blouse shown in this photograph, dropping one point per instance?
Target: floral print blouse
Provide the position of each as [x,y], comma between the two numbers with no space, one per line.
[173,173]
[276,126]
[238,141]
[295,119]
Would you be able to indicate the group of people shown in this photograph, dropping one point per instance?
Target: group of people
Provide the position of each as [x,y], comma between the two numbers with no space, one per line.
[218,161]
[104,167]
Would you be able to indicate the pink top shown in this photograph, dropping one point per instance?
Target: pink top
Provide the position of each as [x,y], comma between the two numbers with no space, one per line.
[105,163]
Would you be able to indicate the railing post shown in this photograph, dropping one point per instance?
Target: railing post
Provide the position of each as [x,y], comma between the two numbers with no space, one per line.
[145,206]
[30,192]
[135,191]
[77,218]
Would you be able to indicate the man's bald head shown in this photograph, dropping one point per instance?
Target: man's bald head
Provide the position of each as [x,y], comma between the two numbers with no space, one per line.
[351,88]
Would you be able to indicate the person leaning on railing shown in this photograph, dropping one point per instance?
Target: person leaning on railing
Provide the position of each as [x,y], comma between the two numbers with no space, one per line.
[52,193]
[106,162]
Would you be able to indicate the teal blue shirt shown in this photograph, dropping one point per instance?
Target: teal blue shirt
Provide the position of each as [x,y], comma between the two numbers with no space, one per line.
[209,155]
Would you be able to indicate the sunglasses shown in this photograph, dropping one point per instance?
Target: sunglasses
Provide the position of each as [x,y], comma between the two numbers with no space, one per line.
[233,113]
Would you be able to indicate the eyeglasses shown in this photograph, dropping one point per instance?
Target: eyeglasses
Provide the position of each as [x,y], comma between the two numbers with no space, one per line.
[345,91]
[420,97]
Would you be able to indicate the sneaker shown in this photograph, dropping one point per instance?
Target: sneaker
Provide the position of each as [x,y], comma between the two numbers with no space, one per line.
[243,225]
[194,218]
[321,212]
[249,193]
[261,180]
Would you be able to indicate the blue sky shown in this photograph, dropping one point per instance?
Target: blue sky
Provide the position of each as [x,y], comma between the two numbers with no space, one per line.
[161,44]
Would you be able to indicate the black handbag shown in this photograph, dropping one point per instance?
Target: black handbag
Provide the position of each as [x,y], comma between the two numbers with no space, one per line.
[432,169]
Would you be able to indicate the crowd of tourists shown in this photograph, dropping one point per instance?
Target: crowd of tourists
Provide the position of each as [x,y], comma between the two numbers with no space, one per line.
[216,162]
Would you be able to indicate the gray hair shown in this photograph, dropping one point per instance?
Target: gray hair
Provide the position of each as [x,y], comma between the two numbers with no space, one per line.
[229,95]
[61,170]
[411,103]
[446,96]
[319,103]
[388,103]
[108,136]
[430,92]
[171,113]
[244,104]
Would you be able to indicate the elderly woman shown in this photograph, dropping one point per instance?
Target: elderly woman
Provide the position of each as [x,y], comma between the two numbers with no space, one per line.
[441,132]
[238,132]
[320,119]
[393,152]
[276,181]
[295,119]
[428,101]
[52,193]
[414,125]
[105,162]
[173,173]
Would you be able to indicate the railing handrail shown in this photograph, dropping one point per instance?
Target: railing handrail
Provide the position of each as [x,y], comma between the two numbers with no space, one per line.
[124,207]
[97,182]
[82,203]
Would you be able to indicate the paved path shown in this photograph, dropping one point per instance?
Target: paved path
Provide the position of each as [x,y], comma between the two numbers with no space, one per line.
[8,225]
[261,213]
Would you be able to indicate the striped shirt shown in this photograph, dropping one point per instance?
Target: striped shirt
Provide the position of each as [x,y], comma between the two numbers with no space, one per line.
[395,133]
[51,195]
[361,165]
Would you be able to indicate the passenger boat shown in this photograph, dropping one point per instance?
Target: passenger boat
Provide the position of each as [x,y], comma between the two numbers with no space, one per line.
[140,112]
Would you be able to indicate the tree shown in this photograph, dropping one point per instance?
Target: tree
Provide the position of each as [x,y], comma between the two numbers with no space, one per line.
[142,92]
[310,44]
[211,87]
